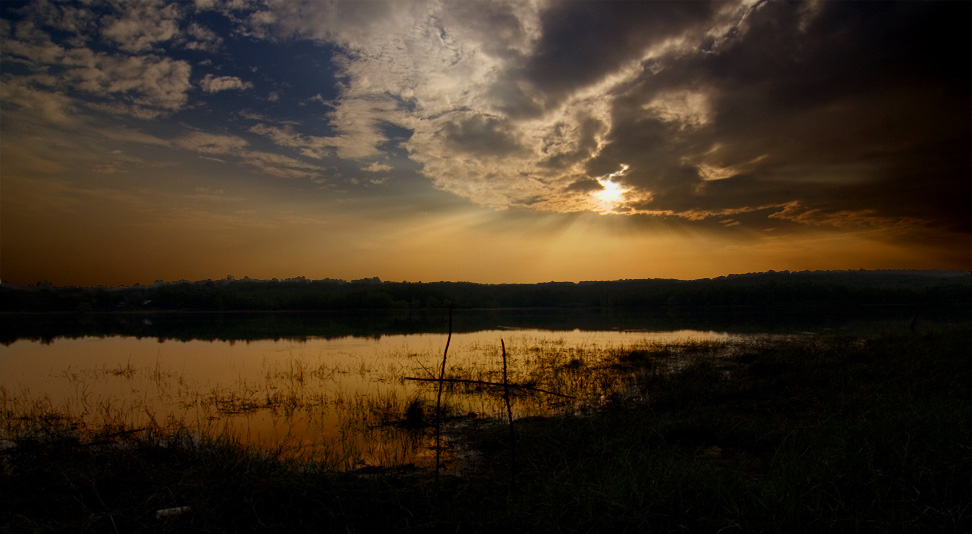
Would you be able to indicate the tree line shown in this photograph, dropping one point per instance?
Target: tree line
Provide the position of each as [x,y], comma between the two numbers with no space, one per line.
[806,288]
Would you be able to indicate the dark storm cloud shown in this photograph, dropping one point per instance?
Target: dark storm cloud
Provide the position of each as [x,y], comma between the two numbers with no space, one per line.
[585,185]
[583,41]
[494,24]
[589,128]
[836,106]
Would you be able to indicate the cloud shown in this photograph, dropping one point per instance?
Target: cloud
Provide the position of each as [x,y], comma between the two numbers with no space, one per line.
[143,24]
[820,108]
[122,134]
[855,220]
[309,146]
[198,37]
[215,84]
[480,135]
[282,166]
[145,85]
[52,106]
[686,108]
[723,111]
[209,143]
[358,124]
[377,167]
[237,148]
[358,121]
[584,42]
[502,122]
[404,66]
[158,83]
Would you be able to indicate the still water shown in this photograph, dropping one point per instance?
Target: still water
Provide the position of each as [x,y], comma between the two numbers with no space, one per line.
[343,397]
[346,399]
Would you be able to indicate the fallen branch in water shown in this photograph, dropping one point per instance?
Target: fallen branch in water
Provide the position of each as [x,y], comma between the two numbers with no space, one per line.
[485,383]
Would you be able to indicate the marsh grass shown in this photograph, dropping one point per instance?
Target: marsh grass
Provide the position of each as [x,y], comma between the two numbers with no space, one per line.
[296,407]
[820,435]
[809,434]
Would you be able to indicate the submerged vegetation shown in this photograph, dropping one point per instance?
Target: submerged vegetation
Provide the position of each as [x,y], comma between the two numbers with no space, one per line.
[809,433]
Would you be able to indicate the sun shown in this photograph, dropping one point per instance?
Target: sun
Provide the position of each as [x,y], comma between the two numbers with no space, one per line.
[613,193]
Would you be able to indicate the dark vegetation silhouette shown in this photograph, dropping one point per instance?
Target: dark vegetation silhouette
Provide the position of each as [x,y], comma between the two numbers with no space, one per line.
[784,288]
[299,309]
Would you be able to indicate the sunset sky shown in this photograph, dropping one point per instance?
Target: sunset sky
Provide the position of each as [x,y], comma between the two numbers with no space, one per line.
[484,141]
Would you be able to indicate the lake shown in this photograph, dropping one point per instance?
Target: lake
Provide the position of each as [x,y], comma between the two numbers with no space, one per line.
[340,387]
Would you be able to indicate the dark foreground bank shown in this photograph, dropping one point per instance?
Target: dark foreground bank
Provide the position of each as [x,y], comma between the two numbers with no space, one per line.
[843,434]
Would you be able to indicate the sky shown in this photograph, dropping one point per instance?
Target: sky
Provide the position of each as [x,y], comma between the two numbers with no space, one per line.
[487,141]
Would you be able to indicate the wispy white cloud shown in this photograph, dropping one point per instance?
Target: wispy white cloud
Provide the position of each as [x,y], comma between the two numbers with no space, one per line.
[198,37]
[357,123]
[52,106]
[282,166]
[310,146]
[377,167]
[209,143]
[239,149]
[215,84]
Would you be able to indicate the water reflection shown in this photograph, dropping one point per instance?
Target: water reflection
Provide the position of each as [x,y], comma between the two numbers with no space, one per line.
[345,398]
[334,385]
[302,326]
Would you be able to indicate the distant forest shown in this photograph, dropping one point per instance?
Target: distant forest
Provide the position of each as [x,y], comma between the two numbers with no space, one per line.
[825,288]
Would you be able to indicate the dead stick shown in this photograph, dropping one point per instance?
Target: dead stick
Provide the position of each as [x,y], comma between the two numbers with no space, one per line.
[438,399]
[509,415]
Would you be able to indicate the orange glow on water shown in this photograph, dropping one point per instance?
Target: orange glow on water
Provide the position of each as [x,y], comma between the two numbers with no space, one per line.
[321,396]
